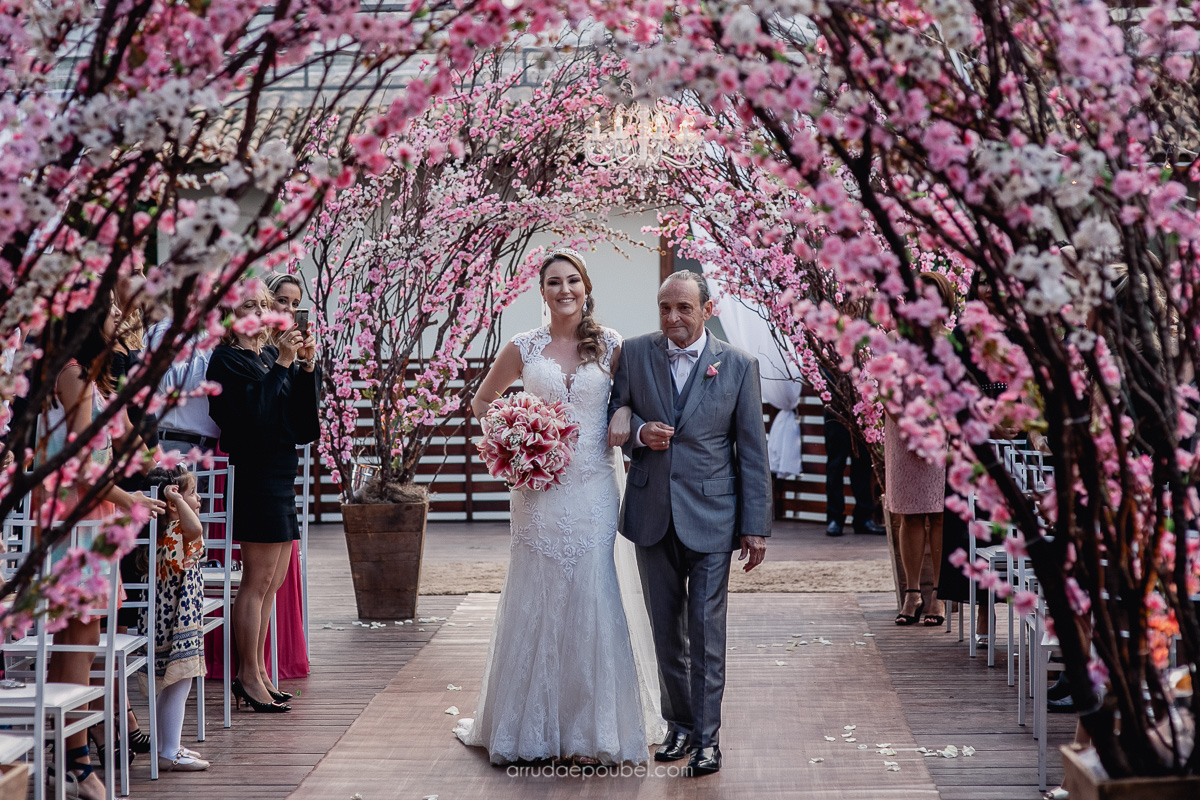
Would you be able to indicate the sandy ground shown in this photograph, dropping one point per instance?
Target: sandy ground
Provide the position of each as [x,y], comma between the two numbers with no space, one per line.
[463,577]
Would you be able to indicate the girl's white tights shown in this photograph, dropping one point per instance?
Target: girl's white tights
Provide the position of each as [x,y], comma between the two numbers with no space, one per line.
[172,702]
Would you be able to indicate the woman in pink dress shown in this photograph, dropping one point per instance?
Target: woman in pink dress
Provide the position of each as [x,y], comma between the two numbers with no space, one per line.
[916,496]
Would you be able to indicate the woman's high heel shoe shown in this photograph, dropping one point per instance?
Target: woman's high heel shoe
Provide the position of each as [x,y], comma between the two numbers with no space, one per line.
[279,696]
[239,691]
[906,619]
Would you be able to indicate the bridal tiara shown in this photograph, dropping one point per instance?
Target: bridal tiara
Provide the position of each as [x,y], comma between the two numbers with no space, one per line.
[569,253]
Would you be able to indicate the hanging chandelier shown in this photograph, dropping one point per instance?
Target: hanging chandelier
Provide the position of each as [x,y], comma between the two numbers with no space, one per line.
[642,137]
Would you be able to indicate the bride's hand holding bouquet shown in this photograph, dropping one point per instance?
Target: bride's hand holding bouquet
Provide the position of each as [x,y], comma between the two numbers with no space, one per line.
[527,442]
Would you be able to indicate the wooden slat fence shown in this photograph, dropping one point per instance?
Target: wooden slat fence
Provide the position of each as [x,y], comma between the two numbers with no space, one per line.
[463,490]
[802,497]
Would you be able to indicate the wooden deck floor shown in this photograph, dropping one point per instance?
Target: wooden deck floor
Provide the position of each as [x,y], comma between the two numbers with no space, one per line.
[370,719]
[950,698]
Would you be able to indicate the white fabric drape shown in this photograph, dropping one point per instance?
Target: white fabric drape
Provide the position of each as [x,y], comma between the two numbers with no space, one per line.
[745,327]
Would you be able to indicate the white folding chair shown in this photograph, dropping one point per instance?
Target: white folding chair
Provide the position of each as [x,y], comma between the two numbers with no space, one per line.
[1045,655]
[997,561]
[993,555]
[132,652]
[128,644]
[26,729]
[218,581]
[64,705]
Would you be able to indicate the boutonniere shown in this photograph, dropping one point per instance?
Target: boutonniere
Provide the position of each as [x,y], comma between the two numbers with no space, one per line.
[712,370]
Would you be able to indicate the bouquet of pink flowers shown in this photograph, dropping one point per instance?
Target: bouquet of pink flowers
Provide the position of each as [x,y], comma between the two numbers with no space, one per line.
[527,442]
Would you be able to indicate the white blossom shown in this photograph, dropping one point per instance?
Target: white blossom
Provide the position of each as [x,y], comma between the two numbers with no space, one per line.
[272,163]
[1096,233]
[742,27]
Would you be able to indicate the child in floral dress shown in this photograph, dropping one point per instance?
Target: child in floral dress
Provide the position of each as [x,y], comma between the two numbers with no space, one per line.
[178,633]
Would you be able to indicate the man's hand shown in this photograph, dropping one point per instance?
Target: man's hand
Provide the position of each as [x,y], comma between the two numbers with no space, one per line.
[756,548]
[657,435]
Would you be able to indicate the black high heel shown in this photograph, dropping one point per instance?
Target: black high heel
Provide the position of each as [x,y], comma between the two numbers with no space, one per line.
[74,765]
[905,619]
[279,696]
[239,691]
[932,620]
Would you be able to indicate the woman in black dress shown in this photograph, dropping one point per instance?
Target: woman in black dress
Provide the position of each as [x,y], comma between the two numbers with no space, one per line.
[268,406]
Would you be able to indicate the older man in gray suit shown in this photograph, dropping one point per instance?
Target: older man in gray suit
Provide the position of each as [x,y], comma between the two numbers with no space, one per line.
[699,488]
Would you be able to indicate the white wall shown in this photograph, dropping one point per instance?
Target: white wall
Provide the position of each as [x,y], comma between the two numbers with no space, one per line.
[624,282]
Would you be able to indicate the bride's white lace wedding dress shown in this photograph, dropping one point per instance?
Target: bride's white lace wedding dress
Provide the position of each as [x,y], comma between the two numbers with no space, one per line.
[564,675]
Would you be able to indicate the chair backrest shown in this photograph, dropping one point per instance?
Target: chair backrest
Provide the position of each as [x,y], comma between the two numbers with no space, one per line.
[18,535]
[1028,468]
[212,483]
[1001,447]
[142,593]
[215,486]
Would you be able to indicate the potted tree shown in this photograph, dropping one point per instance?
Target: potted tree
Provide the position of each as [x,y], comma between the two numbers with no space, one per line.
[414,267]
[128,167]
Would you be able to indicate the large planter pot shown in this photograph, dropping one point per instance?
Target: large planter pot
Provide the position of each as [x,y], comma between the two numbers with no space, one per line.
[385,543]
[1085,779]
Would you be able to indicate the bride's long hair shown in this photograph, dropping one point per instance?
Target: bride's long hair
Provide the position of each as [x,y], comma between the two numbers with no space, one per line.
[589,333]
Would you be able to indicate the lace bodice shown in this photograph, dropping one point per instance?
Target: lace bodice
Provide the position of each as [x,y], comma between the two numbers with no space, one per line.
[586,392]
[562,523]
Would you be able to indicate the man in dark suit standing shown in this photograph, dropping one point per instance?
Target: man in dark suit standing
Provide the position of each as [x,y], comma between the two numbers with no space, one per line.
[840,448]
[699,487]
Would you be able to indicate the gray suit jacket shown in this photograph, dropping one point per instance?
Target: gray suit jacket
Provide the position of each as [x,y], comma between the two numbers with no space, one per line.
[714,480]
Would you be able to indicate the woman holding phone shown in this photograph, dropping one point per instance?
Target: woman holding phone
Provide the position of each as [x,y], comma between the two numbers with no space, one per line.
[287,293]
[268,406]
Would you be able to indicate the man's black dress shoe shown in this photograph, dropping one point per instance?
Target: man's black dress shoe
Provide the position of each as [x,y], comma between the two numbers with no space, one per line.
[872,527]
[833,529]
[1064,706]
[673,748]
[704,761]
[1060,689]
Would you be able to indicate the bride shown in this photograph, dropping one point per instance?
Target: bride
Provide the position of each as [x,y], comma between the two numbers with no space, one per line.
[570,670]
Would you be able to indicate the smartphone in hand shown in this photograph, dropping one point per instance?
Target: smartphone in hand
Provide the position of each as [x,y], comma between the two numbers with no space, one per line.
[302,321]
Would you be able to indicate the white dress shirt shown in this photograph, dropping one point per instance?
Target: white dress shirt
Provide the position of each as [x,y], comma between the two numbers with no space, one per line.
[681,370]
[184,376]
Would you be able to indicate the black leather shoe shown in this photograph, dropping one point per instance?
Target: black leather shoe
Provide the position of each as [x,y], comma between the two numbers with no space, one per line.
[871,527]
[1063,706]
[1060,689]
[704,761]
[673,748]
[833,529]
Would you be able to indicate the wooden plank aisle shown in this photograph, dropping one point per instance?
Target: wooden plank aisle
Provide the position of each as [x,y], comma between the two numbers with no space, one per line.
[950,698]
[776,718]
[265,756]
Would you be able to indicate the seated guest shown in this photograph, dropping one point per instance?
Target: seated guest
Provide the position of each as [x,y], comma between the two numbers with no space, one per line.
[81,391]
